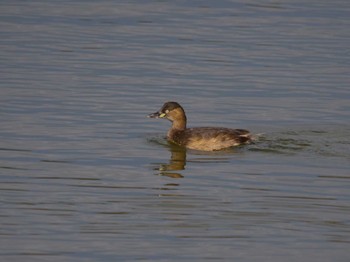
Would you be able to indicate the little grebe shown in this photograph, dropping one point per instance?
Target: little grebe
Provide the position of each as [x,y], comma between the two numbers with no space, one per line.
[199,138]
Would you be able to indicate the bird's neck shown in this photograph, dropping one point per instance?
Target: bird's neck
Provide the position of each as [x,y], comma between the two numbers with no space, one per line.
[179,124]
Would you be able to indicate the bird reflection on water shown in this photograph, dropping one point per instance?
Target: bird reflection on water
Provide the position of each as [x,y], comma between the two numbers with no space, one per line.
[178,159]
[177,162]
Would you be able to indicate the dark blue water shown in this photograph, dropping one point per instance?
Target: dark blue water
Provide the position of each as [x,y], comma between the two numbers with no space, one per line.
[85,176]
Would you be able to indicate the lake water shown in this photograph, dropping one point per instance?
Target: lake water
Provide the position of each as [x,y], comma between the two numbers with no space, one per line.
[85,176]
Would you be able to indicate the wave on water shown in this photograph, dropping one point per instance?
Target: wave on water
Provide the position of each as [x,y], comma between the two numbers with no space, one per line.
[329,141]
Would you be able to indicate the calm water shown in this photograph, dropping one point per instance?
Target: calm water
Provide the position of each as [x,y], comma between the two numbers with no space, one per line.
[85,176]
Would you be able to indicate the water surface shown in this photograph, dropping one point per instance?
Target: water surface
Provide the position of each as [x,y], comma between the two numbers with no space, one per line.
[85,176]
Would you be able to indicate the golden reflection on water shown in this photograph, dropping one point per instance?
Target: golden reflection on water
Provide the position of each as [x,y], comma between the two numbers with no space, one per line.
[178,159]
[177,162]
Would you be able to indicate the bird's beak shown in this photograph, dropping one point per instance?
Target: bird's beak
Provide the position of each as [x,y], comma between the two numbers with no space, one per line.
[156,115]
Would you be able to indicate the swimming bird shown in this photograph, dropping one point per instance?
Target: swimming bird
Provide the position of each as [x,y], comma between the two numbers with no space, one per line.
[199,138]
